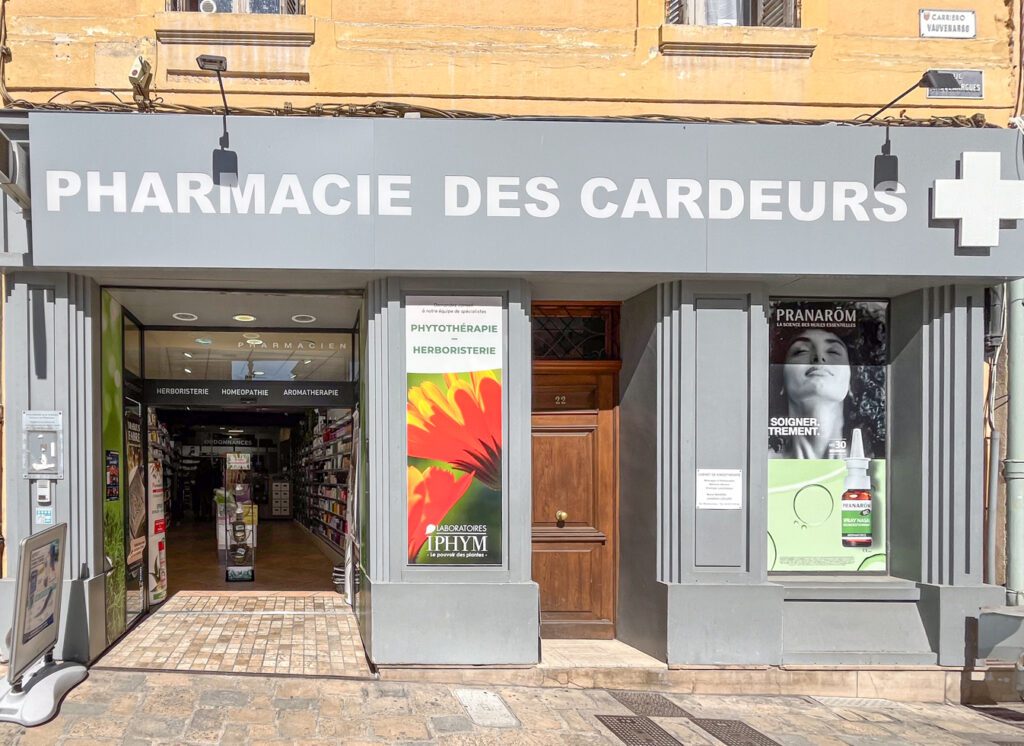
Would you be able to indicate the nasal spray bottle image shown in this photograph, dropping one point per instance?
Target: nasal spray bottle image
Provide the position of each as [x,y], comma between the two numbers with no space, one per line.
[857,497]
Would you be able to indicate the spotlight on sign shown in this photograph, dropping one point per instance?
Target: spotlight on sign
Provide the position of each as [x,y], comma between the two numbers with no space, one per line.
[225,162]
[931,79]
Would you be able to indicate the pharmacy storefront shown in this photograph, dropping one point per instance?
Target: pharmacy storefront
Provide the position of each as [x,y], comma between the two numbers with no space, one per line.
[709,390]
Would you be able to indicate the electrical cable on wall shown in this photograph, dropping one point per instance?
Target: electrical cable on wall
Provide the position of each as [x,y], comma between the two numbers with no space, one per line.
[391,109]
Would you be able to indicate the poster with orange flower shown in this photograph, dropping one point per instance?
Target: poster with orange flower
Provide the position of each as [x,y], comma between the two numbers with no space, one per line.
[454,361]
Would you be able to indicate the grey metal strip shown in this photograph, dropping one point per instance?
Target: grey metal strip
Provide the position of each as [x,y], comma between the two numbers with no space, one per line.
[636,730]
[734,732]
[651,704]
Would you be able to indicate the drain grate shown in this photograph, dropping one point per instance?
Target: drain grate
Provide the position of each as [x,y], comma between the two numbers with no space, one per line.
[1004,714]
[636,730]
[860,703]
[651,704]
[734,732]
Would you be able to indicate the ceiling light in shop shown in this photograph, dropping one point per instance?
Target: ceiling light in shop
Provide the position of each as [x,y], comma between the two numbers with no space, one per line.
[293,376]
[188,370]
[306,362]
[303,318]
[258,373]
[251,335]
[204,341]
[188,355]
[236,430]
[244,317]
[254,342]
[184,316]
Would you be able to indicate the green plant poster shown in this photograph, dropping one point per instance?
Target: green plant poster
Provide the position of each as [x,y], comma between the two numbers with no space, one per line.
[454,365]
[112,354]
[827,487]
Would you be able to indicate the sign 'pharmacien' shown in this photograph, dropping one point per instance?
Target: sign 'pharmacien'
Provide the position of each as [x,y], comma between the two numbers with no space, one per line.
[539,197]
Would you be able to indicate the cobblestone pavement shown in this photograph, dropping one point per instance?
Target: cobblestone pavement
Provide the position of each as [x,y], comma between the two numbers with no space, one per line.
[175,708]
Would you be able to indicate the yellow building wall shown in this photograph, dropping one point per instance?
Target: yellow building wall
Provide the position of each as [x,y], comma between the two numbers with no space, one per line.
[560,57]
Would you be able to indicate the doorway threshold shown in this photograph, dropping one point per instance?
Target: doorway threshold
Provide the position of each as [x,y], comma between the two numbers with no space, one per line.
[594,654]
[291,633]
[584,664]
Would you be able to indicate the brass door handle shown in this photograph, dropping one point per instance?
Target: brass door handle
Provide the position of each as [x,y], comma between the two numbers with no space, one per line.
[561,516]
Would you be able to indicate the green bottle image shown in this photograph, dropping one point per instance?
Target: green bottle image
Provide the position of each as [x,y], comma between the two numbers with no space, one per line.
[856,521]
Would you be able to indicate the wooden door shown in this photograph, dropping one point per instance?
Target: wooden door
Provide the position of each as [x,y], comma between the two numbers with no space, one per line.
[575,487]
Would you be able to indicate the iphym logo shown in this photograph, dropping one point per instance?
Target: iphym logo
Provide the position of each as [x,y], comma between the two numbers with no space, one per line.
[979,199]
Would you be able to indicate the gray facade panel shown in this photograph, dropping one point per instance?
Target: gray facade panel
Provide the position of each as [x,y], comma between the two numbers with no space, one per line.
[861,631]
[51,350]
[464,632]
[642,612]
[721,624]
[455,624]
[672,198]
[722,364]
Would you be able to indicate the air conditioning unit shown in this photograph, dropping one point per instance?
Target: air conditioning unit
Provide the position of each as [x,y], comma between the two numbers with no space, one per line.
[207,6]
[14,169]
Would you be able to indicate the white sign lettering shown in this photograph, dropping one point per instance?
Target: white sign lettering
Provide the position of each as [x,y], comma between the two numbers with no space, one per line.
[540,197]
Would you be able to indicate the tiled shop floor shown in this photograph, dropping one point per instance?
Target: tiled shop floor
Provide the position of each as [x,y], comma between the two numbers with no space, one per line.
[246,632]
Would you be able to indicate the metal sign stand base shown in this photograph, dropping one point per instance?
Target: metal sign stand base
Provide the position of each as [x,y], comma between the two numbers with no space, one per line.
[44,686]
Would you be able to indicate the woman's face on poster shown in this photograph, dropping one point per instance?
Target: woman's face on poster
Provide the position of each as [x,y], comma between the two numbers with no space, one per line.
[817,366]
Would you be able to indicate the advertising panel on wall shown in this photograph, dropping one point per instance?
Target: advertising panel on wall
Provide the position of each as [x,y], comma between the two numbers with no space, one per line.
[136,478]
[454,357]
[157,533]
[827,436]
[113,444]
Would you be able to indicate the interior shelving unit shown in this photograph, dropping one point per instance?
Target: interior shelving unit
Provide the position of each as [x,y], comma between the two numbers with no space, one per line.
[321,476]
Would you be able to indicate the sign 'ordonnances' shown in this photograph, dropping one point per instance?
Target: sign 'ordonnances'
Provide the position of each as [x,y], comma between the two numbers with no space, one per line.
[421,195]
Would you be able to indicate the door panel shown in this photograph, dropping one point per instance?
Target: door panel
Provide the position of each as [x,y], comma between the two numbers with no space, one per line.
[574,472]
[566,578]
[564,459]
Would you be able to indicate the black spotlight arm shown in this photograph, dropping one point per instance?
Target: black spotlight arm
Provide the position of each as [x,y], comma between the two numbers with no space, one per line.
[891,103]
[224,98]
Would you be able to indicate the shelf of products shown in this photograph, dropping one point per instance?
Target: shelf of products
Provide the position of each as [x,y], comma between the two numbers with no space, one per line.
[323,460]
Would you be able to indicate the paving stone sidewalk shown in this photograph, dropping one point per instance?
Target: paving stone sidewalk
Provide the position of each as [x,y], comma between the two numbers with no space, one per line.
[176,708]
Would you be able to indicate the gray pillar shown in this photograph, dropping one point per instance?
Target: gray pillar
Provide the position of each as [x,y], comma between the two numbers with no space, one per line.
[445,615]
[51,347]
[711,344]
[938,463]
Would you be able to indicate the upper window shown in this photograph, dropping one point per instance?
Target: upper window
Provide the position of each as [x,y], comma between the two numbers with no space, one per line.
[575,331]
[287,7]
[733,12]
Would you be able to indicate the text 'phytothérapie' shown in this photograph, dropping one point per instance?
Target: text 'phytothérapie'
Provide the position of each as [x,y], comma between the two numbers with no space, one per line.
[539,197]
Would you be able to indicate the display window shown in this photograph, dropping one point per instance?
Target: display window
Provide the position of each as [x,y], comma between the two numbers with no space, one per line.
[827,428]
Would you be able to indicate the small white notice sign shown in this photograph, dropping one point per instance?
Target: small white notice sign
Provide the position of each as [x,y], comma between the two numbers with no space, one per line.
[719,489]
[948,24]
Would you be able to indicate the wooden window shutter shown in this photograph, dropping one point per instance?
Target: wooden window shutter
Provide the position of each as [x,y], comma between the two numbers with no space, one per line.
[775,13]
[675,11]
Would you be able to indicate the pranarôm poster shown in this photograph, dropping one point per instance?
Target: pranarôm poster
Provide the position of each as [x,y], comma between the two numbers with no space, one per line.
[454,376]
[828,378]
